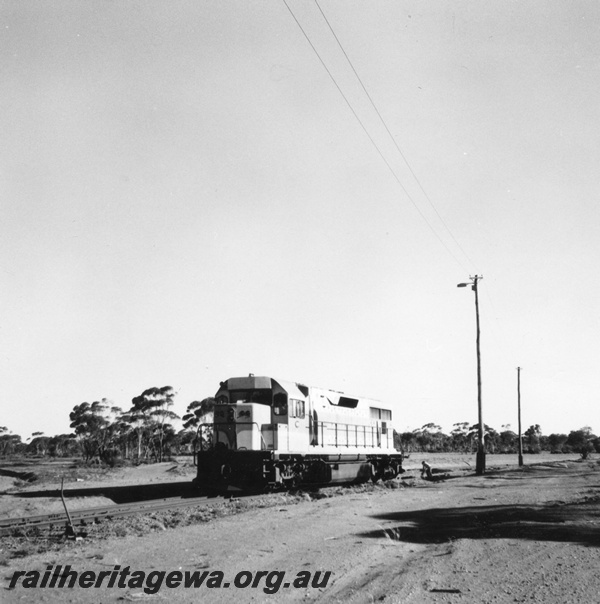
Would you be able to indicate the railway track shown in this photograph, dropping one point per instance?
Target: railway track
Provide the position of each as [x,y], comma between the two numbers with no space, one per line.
[82,517]
[79,518]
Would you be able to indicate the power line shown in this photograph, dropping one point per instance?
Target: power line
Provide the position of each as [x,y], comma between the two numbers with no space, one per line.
[371,138]
[390,134]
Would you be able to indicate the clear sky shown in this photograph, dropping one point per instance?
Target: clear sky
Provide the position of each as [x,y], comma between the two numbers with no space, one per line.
[186,197]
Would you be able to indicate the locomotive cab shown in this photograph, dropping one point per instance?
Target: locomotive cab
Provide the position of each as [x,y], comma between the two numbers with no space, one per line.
[260,414]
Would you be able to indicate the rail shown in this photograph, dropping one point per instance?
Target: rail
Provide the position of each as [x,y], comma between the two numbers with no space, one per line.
[80,518]
[85,516]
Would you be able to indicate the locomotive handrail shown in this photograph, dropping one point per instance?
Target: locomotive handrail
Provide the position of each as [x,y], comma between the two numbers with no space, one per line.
[237,423]
[366,430]
[195,442]
[372,437]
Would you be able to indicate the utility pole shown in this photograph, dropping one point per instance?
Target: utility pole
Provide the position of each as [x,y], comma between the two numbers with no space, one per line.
[519,409]
[480,459]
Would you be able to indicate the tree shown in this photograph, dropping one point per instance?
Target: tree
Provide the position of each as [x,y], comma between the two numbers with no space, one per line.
[137,422]
[39,444]
[490,437]
[123,435]
[508,441]
[460,437]
[556,442]
[62,445]
[94,429]
[407,441]
[430,437]
[581,441]
[397,440]
[9,443]
[533,434]
[151,416]
[199,413]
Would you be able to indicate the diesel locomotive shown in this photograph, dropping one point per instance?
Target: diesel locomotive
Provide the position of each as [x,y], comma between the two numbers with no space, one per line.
[269,433]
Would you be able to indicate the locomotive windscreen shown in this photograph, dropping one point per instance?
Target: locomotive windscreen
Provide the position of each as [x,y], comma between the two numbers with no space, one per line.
[262,397]
[251,389]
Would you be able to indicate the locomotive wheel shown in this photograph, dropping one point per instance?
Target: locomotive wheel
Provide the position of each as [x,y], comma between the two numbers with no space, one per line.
[292,483]
[375,473]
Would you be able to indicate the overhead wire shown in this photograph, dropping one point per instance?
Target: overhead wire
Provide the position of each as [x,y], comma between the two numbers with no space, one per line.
[364,128]
[399,150]
[392,137]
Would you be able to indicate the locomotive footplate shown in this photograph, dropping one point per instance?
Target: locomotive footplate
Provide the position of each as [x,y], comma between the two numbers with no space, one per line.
[331,469]
[226,469]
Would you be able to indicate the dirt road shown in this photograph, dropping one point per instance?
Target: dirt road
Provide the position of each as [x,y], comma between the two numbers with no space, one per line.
[512,535]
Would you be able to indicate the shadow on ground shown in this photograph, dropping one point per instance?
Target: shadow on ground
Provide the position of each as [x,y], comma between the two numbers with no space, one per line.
[575,523]
[123,494]
[25,476]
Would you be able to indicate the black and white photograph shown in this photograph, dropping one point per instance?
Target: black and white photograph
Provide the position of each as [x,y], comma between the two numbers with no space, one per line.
[299,301]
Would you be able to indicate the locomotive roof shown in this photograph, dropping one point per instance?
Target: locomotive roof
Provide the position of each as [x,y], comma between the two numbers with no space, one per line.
[293,389]
[263,382]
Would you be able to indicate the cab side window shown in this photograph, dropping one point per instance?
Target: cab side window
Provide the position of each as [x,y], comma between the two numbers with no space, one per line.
[280,406]
[297,408]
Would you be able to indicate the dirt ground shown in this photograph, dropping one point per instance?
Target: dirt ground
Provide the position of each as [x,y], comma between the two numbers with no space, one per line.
[528,534]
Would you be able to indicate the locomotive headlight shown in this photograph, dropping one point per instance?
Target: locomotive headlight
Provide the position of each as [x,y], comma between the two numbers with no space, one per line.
[230,414]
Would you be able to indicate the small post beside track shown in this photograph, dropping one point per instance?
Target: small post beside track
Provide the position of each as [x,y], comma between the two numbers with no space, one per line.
[69,530]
